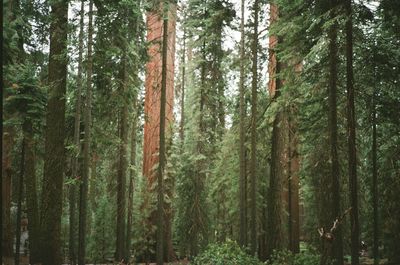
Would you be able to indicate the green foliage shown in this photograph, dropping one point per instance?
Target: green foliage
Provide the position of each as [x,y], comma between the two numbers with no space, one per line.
[227,253]
[286,257]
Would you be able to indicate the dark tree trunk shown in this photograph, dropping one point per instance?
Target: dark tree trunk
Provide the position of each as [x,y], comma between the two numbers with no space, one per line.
[19,204]
[275,222]
[162,158]
[293,185]
[375,199]
[275,227]
[242,140]
[351,123]
[75,158]
[123,165]
[131,180]
[83,192]
[183,83]
[333,138]
[31,193]
[253,162]
[51,207]
[7,171]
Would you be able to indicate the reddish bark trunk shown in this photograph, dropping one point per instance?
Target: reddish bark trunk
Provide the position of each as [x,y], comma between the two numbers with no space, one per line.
[288,157]
[152,105]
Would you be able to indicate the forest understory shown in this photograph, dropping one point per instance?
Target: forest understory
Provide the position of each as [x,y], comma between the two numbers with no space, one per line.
[214,132]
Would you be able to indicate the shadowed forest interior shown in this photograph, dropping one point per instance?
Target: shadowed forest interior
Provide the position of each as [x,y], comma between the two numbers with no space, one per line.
[204,132]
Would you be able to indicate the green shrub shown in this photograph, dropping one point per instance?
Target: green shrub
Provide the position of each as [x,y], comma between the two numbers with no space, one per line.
[286,257]
[227,253]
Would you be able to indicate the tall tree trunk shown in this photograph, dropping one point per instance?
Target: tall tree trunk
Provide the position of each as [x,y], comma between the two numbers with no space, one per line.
[75,158]
[7,171]
[253,165]
[133,170]
[8,134]
[162,158]
[123,163]
[333,138]
[19,204]
[242,140]
[131,179]
[183,83]
[293,184]
[31,193]
[86,146]
[51,207]
[375,199]
[352,138]
[275,222]
[152,109]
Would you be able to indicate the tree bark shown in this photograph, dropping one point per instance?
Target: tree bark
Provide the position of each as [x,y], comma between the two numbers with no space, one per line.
[19,204]
[351,123]
[133,170]
[152,109]
[375,198]
[31,193]
[7,171]
[279,161]
[51,207]
[83,192]
[183,83]
[333,138]
[123,164]
[253,165]
[242,140]
[293,185]
[75,158]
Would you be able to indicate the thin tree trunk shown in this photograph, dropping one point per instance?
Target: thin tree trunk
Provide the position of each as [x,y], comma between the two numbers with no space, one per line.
[242,136]
[83,193]
[7,171]
[133,171]
[75,158]
[293,185]
[375,199]
[31,193]
[182,122]
[352,138]
[131,180]
[253,165]
[51,206]
[123,165]
[333,138]
[161,166]
[19,204]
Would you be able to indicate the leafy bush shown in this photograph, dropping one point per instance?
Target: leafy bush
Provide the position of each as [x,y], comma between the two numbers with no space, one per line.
[286,257]
[227,253]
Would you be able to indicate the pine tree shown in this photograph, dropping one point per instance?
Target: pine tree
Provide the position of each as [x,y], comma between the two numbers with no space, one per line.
[51,205]
[86,146]
[77,132]
[253,162]
[333,133]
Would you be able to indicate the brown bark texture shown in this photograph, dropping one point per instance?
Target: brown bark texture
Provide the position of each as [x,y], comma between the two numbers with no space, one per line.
[31,193]
[51,207]
[153,103]
[6,172]
[285,164]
